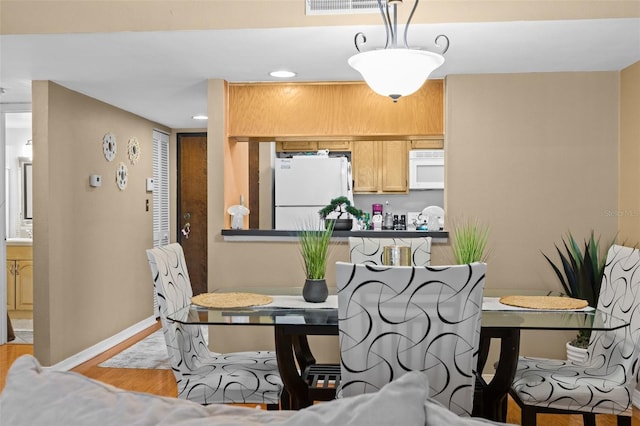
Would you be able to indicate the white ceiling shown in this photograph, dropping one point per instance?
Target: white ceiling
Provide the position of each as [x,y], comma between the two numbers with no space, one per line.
[163,76]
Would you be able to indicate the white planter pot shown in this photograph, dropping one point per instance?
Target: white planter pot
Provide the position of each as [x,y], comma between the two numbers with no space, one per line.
[575,354]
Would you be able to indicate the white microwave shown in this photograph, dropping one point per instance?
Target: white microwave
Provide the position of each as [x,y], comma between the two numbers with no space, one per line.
[426,169]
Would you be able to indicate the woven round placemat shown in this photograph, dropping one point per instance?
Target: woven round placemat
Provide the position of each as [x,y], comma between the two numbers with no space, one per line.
[544,302]
[231,300]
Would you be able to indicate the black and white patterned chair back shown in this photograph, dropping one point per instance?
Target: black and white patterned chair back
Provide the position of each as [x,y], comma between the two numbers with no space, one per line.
[173,291]
[606,382]
[370,250]
[617,351]
[403,318]
[203,376]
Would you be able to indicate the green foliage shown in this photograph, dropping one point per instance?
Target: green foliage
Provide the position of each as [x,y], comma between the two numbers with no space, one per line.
[469,243]
[580,271]
[314,248]
[342,206]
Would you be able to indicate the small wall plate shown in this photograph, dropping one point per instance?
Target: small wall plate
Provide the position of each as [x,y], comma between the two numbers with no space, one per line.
[134,150]
[109,147]
[122,176]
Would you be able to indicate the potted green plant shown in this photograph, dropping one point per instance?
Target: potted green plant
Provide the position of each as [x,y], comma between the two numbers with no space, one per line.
[580,272]
[469,242]
[336,210]
[314,249]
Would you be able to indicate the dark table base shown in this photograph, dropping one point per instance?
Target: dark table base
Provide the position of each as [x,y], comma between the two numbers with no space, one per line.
[490,400]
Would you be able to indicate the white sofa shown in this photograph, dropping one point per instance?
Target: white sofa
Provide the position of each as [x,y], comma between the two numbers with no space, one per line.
[36,395]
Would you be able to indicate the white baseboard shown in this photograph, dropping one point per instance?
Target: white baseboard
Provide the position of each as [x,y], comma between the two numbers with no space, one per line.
[100,347]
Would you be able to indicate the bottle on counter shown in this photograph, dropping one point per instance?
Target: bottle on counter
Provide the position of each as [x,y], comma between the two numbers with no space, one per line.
[376,217]
[376,222]
[402,224]
[388,221]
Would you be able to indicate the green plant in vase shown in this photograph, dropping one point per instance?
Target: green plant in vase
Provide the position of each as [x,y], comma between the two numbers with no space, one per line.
[336,210]
[469,242]
[580,272]
[314,249]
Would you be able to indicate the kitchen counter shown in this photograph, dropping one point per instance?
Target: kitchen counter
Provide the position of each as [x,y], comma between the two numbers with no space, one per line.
[282,235]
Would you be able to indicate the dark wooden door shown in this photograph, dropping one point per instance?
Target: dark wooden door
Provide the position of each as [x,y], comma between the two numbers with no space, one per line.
[192,206]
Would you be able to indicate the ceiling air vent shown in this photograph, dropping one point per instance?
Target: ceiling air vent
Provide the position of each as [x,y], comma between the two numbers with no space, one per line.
[341,7]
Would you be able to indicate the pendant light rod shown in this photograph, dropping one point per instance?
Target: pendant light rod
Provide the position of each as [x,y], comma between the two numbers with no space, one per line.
[390,21]
[396,71]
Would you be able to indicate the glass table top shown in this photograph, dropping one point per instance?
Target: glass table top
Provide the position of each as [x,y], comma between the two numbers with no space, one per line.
[313,316]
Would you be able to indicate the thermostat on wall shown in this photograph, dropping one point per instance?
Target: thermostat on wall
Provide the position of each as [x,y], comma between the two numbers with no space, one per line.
[95,180]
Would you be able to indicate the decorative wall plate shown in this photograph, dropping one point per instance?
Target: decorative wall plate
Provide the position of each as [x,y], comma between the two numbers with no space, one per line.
[109,146]
[134,150]
[122,176]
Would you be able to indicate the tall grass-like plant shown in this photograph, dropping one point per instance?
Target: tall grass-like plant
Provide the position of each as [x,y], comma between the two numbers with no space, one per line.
[580,272]
[314,249]
[469,243]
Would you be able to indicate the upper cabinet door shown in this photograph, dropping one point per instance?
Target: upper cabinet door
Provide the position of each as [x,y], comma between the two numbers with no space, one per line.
[364,159]
[380,166]
[394,166]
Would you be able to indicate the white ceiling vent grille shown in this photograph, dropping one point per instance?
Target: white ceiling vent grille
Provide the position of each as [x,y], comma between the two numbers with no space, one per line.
[341,7]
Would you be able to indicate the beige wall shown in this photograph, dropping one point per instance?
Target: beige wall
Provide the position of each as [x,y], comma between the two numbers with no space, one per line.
[91,277]
[534,156]
[629,206]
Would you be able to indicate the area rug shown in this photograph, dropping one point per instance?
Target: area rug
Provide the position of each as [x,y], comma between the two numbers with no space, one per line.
[149,353]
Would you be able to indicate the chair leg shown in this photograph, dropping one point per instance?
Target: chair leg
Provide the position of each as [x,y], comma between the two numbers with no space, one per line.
[589,419]
[624,421]
[528,416]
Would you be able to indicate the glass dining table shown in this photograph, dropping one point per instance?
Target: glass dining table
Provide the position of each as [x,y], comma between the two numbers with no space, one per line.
[293,322]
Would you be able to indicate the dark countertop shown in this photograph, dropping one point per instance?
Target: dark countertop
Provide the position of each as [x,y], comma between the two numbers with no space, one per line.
[283,235]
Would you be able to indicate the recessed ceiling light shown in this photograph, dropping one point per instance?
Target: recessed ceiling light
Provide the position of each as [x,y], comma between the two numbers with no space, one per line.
[199,117]
[282,74]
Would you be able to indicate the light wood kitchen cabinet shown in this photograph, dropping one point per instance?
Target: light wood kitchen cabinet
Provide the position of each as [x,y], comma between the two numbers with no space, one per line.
[348,109]
[294,146]
[380,166]
[427,144]
[20,278]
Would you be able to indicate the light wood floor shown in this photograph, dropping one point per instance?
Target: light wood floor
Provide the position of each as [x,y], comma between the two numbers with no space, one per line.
[162,382]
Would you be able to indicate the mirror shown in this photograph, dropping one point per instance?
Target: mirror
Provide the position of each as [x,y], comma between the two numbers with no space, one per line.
[27,203]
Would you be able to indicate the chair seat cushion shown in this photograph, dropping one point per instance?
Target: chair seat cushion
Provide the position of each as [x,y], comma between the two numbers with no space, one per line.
[564,385]
[236,377]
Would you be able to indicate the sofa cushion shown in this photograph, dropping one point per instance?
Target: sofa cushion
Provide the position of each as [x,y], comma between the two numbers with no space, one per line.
[36,395]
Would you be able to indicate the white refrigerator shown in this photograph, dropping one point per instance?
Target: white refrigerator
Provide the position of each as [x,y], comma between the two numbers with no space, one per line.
[304,185]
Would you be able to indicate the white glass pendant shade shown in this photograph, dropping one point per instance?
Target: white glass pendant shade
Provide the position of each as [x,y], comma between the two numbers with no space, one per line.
[396,72]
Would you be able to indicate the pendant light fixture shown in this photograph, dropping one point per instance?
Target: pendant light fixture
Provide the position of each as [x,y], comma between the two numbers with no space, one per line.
[396,71]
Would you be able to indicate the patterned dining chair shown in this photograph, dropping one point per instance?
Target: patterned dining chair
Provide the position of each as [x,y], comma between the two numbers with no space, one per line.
[394,319]
[203,376]
[370,250]
[606,381]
